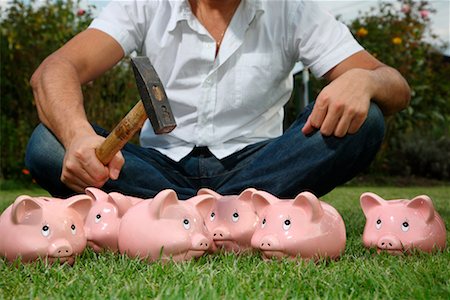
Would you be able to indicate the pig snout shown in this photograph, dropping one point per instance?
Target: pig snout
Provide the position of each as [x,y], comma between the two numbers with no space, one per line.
[200,242]
[220,233]
[269,243]
[389,242]
[60,248]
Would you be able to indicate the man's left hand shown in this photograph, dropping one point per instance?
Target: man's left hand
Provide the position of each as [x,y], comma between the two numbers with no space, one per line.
[342,106]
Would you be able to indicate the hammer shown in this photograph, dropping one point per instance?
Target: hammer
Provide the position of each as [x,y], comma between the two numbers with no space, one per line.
[153,104]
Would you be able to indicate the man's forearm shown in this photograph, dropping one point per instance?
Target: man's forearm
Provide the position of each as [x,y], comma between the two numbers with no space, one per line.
[384,85]
[57,82]
[389,90]
[59,100]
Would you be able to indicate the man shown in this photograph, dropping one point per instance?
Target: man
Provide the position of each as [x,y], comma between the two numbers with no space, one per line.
[226,66]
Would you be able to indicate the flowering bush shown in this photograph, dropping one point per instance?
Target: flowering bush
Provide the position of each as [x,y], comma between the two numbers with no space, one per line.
[399,35]
[29,33]
[402,38]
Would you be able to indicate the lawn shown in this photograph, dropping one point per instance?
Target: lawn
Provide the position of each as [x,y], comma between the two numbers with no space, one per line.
[359,273]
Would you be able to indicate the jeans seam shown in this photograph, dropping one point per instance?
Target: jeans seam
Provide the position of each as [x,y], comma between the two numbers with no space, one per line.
[234,170]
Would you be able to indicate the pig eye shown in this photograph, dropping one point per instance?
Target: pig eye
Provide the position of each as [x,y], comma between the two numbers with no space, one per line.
[378,224]
[186,224]
[98,217]
[405,226]
[73,229]
[286,224]
[212,216]
[235,217]
[45,230]
[263,223]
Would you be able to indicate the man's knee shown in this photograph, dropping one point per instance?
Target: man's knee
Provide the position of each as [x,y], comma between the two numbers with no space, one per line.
[43,150]
[374,126]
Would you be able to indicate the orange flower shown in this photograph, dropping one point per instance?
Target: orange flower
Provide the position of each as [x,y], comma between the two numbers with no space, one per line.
[362,32]
[25,172]
[397,40]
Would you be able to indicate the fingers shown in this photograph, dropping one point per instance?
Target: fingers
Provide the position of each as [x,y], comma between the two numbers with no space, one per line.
[339,120]
[340,109]
[308,128]
[116,165]
[81,167]
[332,119]
[342,126]
[80,170]
[319,111]
[316,117]
[75,183]
[356,123]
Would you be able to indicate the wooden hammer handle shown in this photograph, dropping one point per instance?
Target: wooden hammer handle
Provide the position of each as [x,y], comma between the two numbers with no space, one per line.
[122,133]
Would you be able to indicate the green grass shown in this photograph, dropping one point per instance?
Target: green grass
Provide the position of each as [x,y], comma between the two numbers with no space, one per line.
[360,273]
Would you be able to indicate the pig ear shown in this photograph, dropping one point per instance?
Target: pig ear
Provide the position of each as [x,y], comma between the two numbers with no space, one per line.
[310,204]
[80,203]
[121,202]
[206,191]
[204,204]
[96,194]
[261,200]
[26,210]
[369,201]
[246,195]
[161,201]
[424,205]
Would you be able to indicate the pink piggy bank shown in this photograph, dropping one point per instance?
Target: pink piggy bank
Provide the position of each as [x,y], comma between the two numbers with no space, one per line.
[401,225]
[166,228]
[305,227]
[232,220]
[103,220]
[40,227]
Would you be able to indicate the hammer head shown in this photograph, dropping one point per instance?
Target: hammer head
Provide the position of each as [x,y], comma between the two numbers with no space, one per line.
[153,95]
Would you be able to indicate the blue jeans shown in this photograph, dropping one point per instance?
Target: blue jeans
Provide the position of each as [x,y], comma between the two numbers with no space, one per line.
[284,166]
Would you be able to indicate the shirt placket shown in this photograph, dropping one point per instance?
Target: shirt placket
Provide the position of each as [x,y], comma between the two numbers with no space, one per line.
[206,107]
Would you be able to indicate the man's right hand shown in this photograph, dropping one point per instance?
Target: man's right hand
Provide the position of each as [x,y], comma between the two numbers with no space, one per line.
[59,100]
[81,167]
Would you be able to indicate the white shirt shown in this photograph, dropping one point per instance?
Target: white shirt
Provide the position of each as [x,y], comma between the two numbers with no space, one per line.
[235,99]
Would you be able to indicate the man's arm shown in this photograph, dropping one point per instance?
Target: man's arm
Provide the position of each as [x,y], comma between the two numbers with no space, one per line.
[57,91]
[342,106]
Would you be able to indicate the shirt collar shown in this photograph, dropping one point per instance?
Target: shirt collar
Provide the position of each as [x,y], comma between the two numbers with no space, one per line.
[252,8]
[182,11]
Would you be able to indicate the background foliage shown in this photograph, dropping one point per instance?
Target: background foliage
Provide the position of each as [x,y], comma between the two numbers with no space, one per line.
[29,33]
[417,140]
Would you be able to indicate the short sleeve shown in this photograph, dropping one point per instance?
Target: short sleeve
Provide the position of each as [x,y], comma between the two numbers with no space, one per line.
[126,22]
[321,41]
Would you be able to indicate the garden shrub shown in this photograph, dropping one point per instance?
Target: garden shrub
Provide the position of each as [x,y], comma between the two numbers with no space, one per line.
[30,32]
[399,34]
[421,154]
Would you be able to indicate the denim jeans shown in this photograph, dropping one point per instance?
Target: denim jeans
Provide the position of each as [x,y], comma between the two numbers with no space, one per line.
[284,166]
